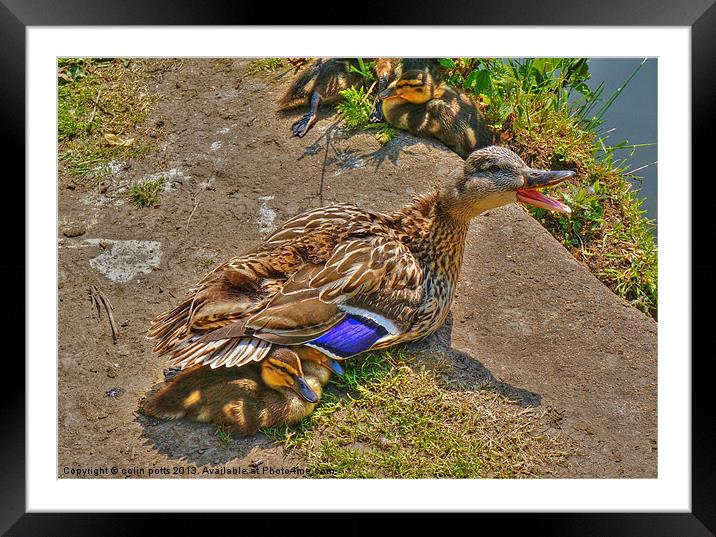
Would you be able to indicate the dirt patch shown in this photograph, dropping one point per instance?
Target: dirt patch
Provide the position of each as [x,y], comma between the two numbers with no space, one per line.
[528,318]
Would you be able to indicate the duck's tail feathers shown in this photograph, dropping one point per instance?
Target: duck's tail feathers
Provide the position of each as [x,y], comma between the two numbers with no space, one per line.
[171,327]
[233,352]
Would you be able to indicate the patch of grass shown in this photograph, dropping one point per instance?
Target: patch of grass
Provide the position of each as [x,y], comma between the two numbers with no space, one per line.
[543,108]
[364,69]
[264,65]
[205,262]
[223,434]
[75,107]
[102,106]
[389,420]
[384,132]
[147,192]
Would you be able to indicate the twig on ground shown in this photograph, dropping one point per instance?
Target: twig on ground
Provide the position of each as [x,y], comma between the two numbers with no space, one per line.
[94,108]
[191,214]
[323,169]
[98,299]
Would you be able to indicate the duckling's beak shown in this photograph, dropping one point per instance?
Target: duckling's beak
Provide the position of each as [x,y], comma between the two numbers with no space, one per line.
[388,92]
[334,366]
[302,388]
[535,179]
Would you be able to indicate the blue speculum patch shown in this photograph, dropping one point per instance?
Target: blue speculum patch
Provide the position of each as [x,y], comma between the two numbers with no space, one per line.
[352,335]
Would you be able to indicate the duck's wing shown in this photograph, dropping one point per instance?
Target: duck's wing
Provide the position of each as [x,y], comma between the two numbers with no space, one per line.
[363,294]
[243,284]
[344,216]
[320,269]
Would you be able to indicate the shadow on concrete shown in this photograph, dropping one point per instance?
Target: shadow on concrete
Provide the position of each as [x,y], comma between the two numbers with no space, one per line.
[197,443]
[465,372]
[392,151]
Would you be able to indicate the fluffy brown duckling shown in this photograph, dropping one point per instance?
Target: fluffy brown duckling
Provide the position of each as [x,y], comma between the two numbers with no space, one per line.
[388,70]
[282,389]
[418,103]
[319,84]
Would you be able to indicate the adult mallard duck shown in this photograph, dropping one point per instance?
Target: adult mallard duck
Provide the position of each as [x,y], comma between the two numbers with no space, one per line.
[280,390]
[319,84]
[422,105]
[342,280]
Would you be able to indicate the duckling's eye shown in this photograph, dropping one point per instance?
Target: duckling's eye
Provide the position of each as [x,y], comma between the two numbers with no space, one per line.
[277,368]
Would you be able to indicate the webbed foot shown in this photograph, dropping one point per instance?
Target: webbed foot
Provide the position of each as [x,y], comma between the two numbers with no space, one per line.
[303,125]
[376,114]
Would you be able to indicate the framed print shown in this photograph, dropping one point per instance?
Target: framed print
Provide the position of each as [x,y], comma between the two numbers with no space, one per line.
[222,217]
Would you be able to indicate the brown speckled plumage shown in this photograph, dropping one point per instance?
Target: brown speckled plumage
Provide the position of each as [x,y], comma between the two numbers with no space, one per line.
[401,268]
[288,287]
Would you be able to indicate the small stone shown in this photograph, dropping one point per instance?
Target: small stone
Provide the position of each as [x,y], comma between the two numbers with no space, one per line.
[74,230]
[385,443]
[112,372]
[114,392]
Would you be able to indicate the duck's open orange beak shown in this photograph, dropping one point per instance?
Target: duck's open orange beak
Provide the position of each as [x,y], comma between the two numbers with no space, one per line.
[535,179]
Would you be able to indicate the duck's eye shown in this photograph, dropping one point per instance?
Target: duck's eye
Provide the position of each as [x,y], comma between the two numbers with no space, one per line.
[494,168]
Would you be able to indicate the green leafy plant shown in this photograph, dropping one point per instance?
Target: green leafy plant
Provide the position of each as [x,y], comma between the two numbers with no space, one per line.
[384,133]
[357,104]
[355,107]
[205,262]
[364,69]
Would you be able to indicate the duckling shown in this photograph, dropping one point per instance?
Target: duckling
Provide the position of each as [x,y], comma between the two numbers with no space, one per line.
[418,103]
[389,69]
[320,83]
[282,389]
[342,279]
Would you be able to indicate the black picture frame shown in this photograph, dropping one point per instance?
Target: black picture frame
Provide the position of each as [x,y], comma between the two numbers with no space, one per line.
[699,15]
